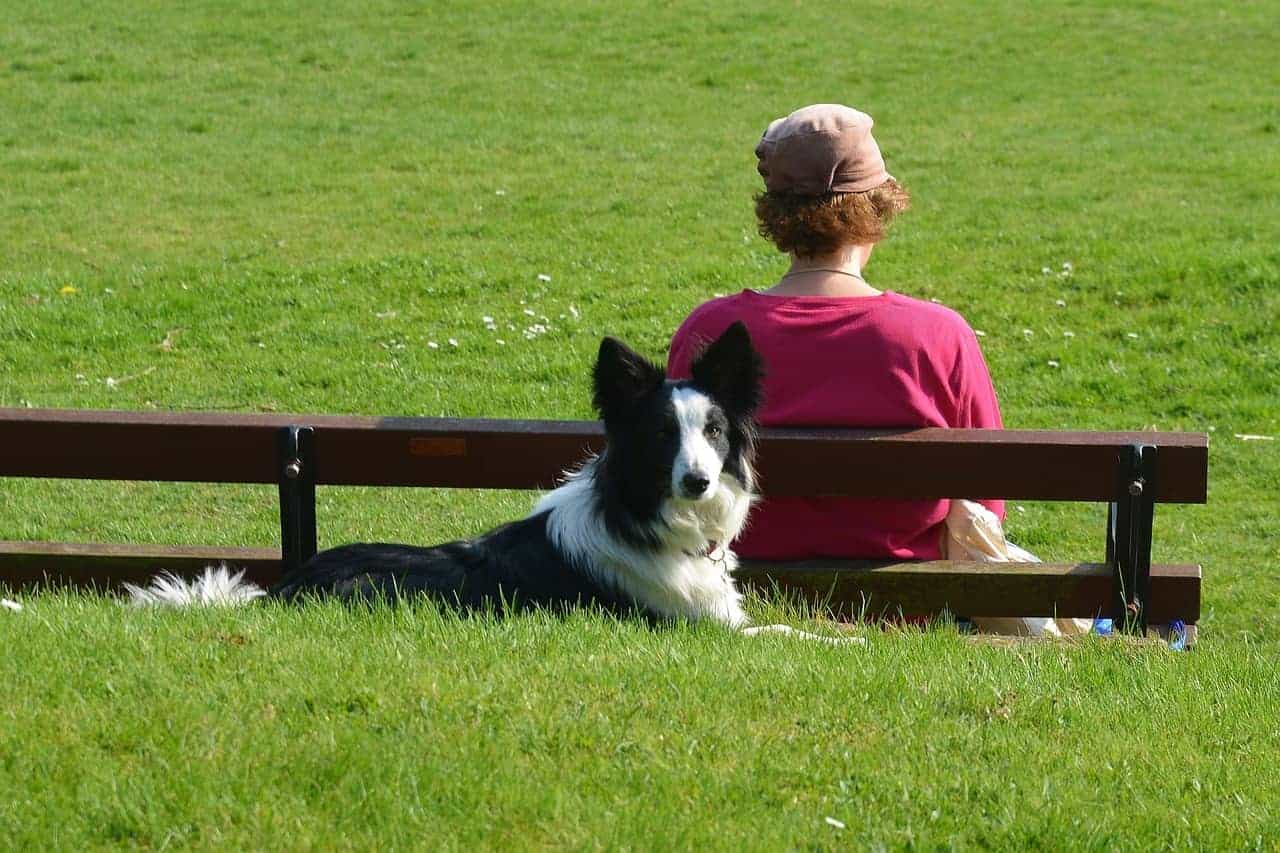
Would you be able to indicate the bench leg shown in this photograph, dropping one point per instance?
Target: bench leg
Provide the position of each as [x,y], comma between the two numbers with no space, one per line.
[296,456]
[1129,524]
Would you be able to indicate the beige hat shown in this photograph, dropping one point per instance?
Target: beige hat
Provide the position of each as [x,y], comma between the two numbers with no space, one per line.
[824,148]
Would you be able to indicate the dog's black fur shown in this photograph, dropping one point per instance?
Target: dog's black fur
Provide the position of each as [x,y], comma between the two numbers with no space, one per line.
[514,565]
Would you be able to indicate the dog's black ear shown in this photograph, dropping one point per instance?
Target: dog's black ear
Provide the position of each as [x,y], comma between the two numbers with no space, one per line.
[622,377]
[731,370]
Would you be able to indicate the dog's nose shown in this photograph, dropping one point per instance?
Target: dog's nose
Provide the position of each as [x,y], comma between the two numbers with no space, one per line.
[694,484]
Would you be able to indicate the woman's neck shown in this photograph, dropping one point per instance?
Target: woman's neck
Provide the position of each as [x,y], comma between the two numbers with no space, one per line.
[835,274]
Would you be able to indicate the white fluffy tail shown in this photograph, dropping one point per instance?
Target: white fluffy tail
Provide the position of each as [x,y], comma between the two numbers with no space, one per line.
[217,587]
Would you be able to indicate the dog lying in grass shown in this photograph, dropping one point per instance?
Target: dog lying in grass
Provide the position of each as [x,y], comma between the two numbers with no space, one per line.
[645,527]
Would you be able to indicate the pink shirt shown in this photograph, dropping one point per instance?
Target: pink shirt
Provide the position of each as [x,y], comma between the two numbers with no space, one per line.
[878,361]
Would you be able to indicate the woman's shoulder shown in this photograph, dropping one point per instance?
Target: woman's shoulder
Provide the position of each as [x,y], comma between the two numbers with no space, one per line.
[731,303]
[703,325]
[924,315]
[715,315]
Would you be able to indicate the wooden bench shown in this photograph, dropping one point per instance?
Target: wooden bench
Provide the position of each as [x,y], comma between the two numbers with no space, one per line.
[1128,471]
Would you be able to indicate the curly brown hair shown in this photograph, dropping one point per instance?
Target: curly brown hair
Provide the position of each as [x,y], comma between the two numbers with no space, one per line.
[811,226]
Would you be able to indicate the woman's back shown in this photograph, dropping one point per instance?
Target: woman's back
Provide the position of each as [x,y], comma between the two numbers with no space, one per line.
[871,361]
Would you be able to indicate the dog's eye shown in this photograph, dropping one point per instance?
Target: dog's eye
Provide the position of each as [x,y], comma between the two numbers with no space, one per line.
[712,431]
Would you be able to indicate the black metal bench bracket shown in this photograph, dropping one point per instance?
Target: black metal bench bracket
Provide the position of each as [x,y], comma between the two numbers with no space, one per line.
[296,471]
[1129,523]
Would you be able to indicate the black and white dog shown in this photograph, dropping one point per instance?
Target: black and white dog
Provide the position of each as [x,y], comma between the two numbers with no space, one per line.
[644,527]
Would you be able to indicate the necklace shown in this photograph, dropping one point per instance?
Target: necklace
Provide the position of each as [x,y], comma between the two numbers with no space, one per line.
[827,269]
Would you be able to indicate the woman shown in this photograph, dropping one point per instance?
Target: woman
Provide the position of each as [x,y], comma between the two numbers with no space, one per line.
[839,351]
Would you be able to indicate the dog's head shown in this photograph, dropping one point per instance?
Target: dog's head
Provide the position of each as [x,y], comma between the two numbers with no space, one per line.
[677,440]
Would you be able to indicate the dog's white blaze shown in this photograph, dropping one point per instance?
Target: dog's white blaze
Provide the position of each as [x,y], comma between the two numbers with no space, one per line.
[696,456]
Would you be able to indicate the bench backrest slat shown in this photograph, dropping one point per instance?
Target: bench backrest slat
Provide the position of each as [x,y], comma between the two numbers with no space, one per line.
[516,454]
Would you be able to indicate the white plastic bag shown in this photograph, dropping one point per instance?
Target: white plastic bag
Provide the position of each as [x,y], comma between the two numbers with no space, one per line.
[974,533]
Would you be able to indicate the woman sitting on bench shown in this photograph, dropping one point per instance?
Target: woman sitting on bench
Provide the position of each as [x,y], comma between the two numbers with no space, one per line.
[838,351]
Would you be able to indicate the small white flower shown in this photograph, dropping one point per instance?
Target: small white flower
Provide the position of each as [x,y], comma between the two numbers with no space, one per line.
[108,291]
[453,342]
[543,277]
[980,333]
[487,320]
[1066,265]
[1133,335]
[1053,363]
[574,312]
[1068,334]
[111,382]
[9,604]
[833,822]
[1020,508]
[433,345]
[501,342]
[499,192]
[1026,333]
[386,315]
[529,312]
[1061,303]
[935,301]
[1046,271]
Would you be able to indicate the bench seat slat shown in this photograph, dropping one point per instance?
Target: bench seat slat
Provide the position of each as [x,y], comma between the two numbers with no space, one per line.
[510,454]
[971,589]
[975,589]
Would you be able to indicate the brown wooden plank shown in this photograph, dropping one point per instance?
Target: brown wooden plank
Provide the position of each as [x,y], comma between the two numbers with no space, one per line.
[515,454]
[106,566]
[970,589]
[945,463]
[974,589]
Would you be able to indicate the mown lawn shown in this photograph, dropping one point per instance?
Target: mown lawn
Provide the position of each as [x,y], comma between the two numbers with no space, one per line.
[329,727]
[271,207]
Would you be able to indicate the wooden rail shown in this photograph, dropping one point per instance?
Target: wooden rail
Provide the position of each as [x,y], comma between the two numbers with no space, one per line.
[498,454]
[851,588]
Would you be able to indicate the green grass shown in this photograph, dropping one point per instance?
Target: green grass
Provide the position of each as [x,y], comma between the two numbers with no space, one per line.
[301,201]
[331,727]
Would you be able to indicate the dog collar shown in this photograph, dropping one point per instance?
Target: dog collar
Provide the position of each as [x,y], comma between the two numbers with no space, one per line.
[712,552]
